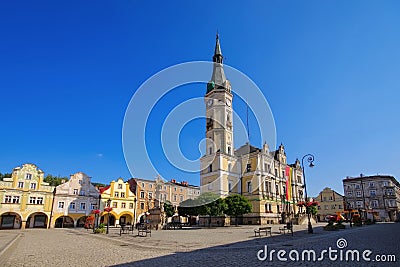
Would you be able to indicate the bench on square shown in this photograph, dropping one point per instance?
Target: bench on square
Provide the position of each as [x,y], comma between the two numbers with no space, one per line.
[125,229]
[144,230]
[266,229]
[288,227]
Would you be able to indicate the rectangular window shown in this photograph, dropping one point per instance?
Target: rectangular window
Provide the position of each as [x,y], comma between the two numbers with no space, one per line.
[123,205]
[371,184]
[33,185]
[28,176]
[359,204]
[276,172]
[330,198]
[230,186]
[181,190]
[390,192]
[350,193]
[372,193]
[175,189]
[39,201]
[150,185]
[131,205]
[340,206]
[143,185]
[119,186]
[82,193]
[93,206]
[248,168]
[80,181]
[141,194]
[385,183]
[61,204]
[15,199]
[116,194]
[358,193]
[122,194]
[72,205]
[75,191]
[324,198]
[181,198]
[210,168]
[374,203]
[82,206]
[20,184]
[141,205]
[326,207]
[357,186]
[174,197]
[115,205]
[32,200]
[249,189]
[333,206]
[150,195]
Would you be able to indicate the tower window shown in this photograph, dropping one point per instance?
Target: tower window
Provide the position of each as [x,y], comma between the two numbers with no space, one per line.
[210,168]
[229,150]
[230,186]
[249,188]
[210,150]
[248,168]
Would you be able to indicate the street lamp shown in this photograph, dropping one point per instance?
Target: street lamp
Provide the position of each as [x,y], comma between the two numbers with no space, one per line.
[310,159]
[108,209]
[134,213]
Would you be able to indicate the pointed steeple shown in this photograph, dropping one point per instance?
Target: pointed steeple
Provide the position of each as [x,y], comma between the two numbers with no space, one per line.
[217,52]
[218,79]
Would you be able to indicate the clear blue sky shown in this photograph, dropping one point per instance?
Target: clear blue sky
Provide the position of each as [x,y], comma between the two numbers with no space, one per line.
[329,70]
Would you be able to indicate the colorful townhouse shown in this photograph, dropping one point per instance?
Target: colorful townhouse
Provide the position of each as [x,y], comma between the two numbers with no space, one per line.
[119,197]
[26,200]
[152,193]
[74,201]
[330,202]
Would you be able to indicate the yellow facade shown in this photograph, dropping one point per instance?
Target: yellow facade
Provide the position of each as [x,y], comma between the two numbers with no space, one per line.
[26,201]
[119,197]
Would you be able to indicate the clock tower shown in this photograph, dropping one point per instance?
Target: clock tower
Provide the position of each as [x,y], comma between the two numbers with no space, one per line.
[218,100]
[219,158]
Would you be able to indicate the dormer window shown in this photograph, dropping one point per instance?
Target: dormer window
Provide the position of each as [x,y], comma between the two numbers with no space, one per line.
[28,176]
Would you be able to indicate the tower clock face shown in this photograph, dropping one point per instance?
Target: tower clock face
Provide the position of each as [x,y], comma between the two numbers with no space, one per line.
[209,102]
[228,102]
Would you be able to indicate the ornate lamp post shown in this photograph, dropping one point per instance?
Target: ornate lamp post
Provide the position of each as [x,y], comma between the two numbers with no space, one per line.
[134,213]
[310,159]
[108,209]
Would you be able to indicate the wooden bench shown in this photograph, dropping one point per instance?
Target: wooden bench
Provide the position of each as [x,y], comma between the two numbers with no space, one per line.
[263,229]
[125,229]
[143,231]
[288,227]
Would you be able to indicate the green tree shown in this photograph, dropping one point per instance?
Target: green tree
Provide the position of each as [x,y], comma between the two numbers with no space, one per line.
[169,209]
[211,205]
[54,180]
[237,205]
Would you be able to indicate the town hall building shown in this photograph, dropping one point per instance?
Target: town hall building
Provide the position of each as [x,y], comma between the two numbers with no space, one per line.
[259,174]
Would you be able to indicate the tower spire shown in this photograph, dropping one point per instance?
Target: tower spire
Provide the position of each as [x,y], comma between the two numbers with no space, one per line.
[217,58]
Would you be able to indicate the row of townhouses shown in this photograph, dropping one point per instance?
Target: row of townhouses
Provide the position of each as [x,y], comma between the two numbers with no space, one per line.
[29,202]
[375,197]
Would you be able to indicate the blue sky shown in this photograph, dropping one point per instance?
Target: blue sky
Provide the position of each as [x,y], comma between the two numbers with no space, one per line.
[329,70]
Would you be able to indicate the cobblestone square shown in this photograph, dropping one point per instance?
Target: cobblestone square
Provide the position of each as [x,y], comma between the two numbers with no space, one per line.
[224,246]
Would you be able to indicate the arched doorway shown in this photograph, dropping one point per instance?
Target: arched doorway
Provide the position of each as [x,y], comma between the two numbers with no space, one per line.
[37,220]
[10,220]
[81,221]
[64,222]
[126,219]
[103,219]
